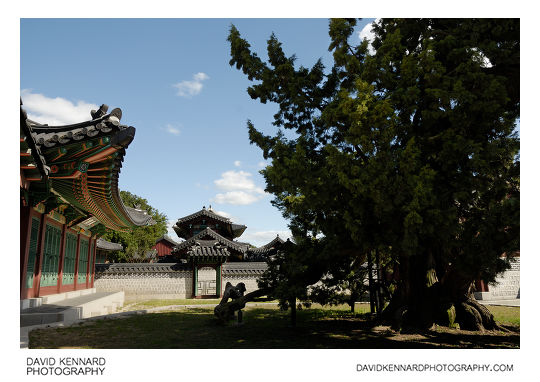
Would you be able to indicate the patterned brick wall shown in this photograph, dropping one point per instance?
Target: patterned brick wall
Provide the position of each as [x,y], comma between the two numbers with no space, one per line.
[249,281]
[246,273]
[506,286]
[167,281]
[144,286]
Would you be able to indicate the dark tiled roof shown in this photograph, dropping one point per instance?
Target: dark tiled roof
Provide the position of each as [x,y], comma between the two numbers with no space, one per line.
[206,243]
[168,239]
[134,268]
[208,251]
[140,217]
[28,144]
[211,233]
[238,229]
[127,268]
[181,229]
[204,212]
[50,136]
[108,246]
[267,247]
[242,268]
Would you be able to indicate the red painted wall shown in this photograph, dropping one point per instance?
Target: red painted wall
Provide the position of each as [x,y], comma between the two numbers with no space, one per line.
[163,248]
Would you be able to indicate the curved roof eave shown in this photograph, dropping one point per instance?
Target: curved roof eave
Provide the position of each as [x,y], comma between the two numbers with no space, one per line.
[102,201]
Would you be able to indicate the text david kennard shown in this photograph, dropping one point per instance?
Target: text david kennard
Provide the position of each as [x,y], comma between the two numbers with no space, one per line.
[65,366]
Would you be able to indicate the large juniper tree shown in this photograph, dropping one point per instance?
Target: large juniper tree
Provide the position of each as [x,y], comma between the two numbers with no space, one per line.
[408,148]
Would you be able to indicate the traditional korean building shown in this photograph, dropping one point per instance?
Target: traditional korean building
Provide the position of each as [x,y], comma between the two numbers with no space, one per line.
[104,249]
[69,196]
[209,242]
[164,246]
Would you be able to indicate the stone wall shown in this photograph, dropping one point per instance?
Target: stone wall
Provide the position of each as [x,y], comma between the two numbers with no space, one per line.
[246,273]
[506,285]
[167,281]
[145,281]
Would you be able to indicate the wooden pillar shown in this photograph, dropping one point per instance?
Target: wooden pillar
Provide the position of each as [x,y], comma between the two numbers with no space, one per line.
[88,262]
[195,283]
[61,260]
[25,235]
[39,260]
[25,228]
[30,264]
[93,267]
[218,280]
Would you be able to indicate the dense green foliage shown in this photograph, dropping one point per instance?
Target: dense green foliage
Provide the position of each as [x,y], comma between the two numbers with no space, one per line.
[138,241]
[409,149]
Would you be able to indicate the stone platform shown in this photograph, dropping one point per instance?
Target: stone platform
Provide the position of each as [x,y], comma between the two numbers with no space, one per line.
[66,308]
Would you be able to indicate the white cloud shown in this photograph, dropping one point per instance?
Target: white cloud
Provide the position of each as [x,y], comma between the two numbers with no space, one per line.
[237,181]
[260,238]
[241,190]
[55,111]
[262,164]
[367,33]
[170,231]
[171,129]
[236,198]
[191,88]
[227,215]
[237,163]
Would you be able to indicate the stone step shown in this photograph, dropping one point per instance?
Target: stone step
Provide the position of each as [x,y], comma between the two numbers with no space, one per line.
[29,319]
[73,309]
[30,303]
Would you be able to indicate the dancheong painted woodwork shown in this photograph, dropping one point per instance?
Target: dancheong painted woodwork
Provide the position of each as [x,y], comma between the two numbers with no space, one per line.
[70,197]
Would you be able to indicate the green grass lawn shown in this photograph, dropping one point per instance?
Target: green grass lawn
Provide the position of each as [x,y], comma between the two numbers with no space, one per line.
[146,304]
[506,315]
[263,327]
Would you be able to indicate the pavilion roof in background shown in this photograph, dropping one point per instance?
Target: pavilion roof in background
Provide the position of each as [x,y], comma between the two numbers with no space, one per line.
[108,246]
[168,239]
[182,226]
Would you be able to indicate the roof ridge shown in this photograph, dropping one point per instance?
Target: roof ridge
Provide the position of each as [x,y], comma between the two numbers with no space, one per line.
[206,212]
[210,232]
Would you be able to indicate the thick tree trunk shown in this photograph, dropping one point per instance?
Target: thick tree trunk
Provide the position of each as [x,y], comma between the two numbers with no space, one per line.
[292,303]
[422,299]
[370,284]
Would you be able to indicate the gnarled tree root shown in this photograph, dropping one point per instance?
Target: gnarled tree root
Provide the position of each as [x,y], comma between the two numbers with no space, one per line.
[471,315]
[468,314]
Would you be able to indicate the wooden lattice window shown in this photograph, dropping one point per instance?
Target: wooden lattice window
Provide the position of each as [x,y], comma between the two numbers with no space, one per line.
[32,252]
[83,261]
[70,256]
[51,256]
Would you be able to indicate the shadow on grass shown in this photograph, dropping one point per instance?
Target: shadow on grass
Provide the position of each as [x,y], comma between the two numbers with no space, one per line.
[264,328]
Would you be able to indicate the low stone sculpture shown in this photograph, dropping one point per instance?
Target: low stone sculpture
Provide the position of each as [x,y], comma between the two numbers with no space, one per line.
[225,310]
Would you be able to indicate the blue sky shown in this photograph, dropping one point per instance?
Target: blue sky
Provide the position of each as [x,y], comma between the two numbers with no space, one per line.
[173,82]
